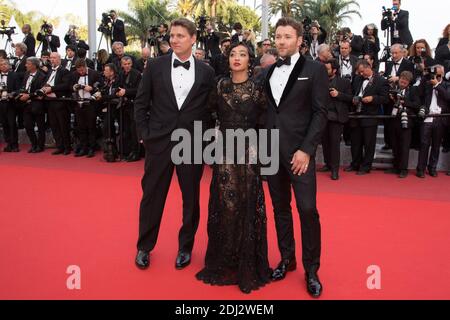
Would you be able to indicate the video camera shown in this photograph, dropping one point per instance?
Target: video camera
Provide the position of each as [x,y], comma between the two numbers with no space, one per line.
[45,27]
[201,22]
[306,26]
[8,31]
[106,24]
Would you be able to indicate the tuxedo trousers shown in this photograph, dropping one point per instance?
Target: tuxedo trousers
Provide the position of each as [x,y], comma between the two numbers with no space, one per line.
[59,117]
[9,124]
[331,144]
[364,141]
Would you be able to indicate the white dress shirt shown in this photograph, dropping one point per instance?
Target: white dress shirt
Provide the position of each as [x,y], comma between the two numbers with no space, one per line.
[19,60]
[280,77]
[434,107]
[51,79]
[69,64]
[84,80]
[29,81]
[182,79]
[4,80]
[395,68]
[346,66]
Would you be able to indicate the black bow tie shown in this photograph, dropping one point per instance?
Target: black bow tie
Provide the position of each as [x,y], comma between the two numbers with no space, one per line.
[286,61]
[177,63]
[397,63]
[4,74]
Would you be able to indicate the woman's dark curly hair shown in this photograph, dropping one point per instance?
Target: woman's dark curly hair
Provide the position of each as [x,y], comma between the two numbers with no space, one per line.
[251,64]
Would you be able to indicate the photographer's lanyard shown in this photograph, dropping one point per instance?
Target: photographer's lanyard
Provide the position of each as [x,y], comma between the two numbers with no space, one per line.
[29,82]
[51,80]
[364,86]
[18,64]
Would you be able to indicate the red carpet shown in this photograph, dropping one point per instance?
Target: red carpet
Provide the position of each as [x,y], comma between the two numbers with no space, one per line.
[57,211]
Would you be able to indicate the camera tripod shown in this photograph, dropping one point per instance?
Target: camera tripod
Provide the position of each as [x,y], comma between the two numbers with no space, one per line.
[106,38]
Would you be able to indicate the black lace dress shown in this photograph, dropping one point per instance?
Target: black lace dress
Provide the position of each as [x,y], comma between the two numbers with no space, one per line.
[237,246]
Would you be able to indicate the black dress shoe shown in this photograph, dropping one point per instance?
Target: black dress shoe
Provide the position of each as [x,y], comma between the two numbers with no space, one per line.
[334,176]
[91,153]
[39,149]
[433,173]
[324,169]
[313,285]
[7,149]
[133,157]
[142,259]
[183,260]
[67,152]
[362,172]
[420,174]
[403,174]
[81,153]
[283,268]
[350,169]
[448,173]
[58,151]
[32,149]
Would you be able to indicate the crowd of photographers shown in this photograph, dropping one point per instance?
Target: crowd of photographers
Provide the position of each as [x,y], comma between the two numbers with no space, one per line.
[81,100]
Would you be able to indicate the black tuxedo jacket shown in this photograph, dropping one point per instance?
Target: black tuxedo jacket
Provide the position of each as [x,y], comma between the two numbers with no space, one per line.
[130,83]
[156,110]
[443,96]
[37,83]
[20,69]
[119,32]
[301,115]
[357,44]
[93,77]
[61,87]
[402,25]
[54,43]
[340,104]
[64,63]
[30,42]
[14,82]
[412,103]
[353,62]
[378,88]
[406,65]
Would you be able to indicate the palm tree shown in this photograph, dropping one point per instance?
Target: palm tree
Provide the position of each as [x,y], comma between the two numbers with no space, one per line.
[287,8]
[331,13]
[185,7]
[212,7]
[145,13]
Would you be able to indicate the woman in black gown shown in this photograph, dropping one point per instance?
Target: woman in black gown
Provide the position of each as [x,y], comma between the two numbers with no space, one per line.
[237,246]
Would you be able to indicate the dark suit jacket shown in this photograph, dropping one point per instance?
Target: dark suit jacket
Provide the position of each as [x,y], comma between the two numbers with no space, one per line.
[378,88]
[13,82]
[79,44]
[119,32]
[130,82]
[353,62]
[54,43]
[357,44]
[406,65]
[72,67]
[156,110]
[61,87]
[30,42]
[37,106]
[93,77]
[20,69]
[301,115]
[443,96]
[338,107]
[402,25]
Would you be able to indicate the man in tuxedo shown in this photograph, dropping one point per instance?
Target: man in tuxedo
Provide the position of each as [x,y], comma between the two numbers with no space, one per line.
[50,42]
[20,61]
[297,91]
[338,109]
[129,83]
[118,53]
[392,73]
[347,61]
[82,84]
[406,102]
[71,57]
[57,86]
[34,111]
[399,23]
[437,100]
[118,29]
[370,92]
[220,63]
[356,42]
[172,95]
[29,41]
[10,84]
[163,36]
[212,42]
[142,62]
[237,36]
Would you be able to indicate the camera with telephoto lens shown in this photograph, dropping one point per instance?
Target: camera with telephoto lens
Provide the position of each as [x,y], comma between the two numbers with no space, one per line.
[7,31]
[399,109]
[307,22]
[430,73]
[202,20]
[79,87]
[423,55]
[45,27]
[422,113]
[4,96]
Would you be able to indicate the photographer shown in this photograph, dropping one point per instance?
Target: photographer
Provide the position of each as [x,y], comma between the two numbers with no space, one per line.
[212,42]
[338,109]
[398,22]
[82,83]
[9,85]
[118,53]
[370,91]
[356,42]
[371,43]
[33,106]
[220,63]
[315,37]
[437,98]
[142,62]
[20,60]
[420,56]
[406,102]
[393,70]
[29,41]
[324,53]
[130,79]
[49,41]
[237,36]
[82,54]
[443,49]
[69,62]
[347,61]
[117,29]
[57,86]
[163,36]
[72,38]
